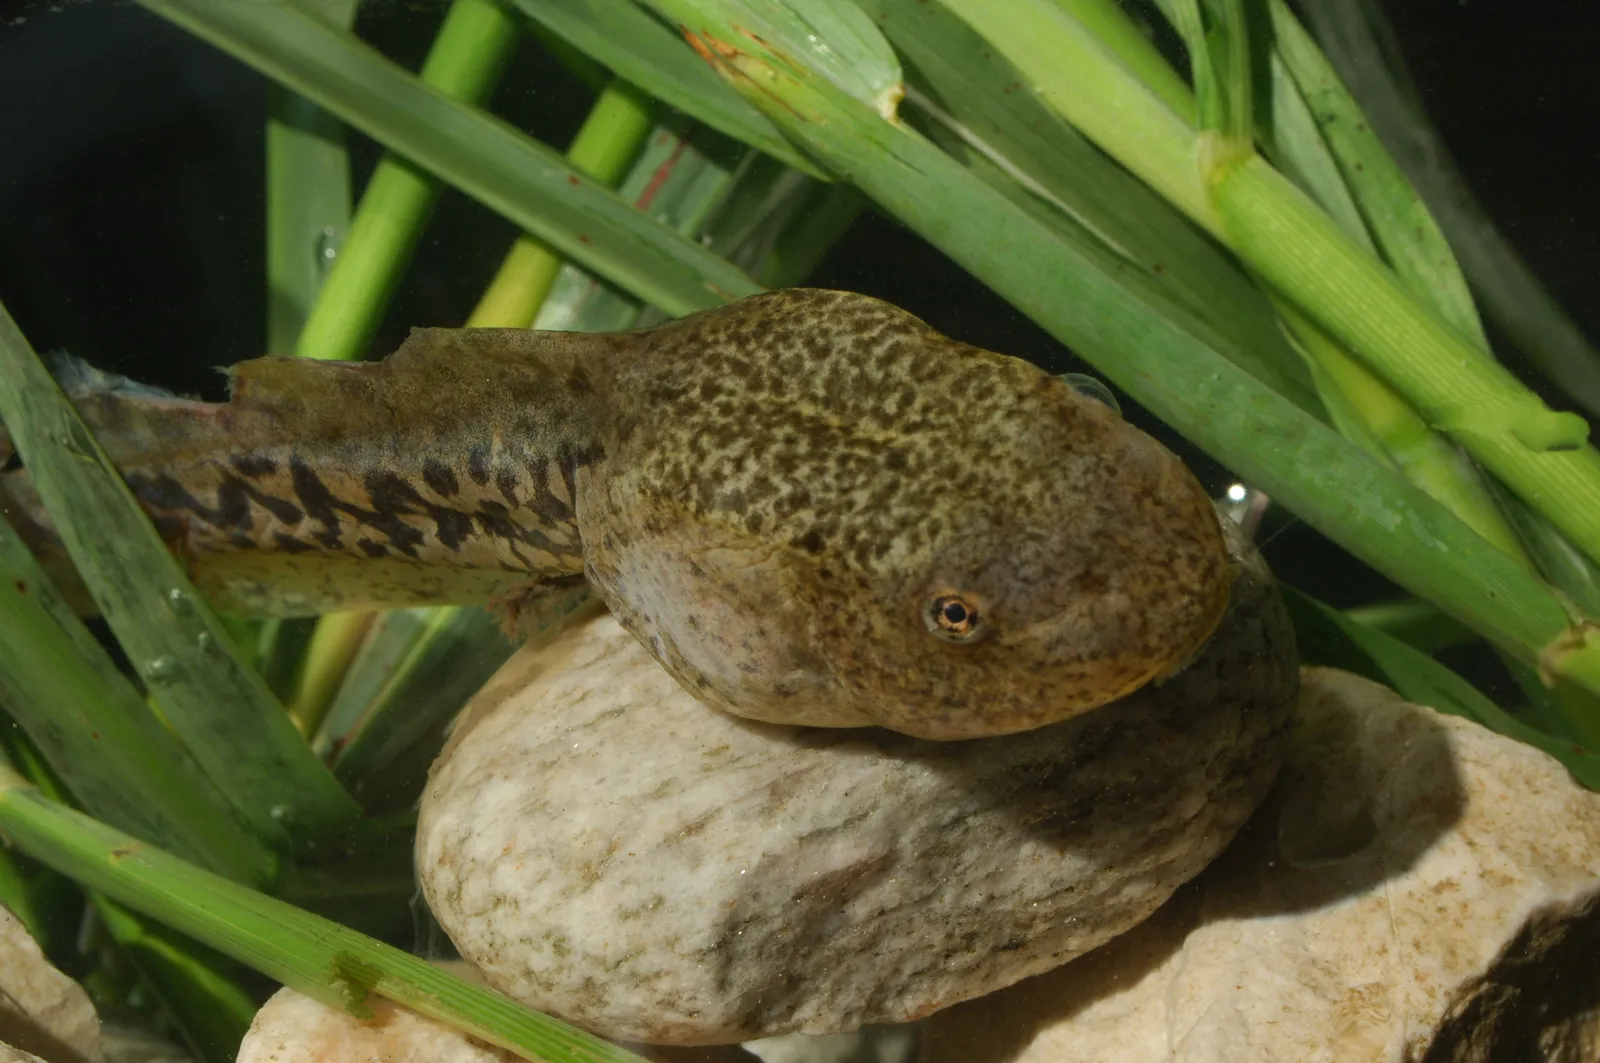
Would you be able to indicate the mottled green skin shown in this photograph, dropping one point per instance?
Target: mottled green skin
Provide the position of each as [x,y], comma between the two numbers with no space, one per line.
[787,483]
[768,495]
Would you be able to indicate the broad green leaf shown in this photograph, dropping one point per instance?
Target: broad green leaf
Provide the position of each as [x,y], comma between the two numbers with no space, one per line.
[836,40]
[678,179]
[637,47]
[446,662]
[308,210]
[211,1009]
[96,732]
[308,199]
[777,223]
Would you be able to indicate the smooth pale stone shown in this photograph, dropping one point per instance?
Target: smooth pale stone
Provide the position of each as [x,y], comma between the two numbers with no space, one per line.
[17,1055]
[605,848]
[1417,888]
[42,1010]
[293,1028]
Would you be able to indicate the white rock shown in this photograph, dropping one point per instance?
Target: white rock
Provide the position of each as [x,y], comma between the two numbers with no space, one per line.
[17,1055]
[293,1028]
[1417,888]
[607,849]
[42,1010]
[125,1043]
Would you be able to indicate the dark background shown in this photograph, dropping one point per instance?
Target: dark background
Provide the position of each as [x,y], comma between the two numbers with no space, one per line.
[131,195]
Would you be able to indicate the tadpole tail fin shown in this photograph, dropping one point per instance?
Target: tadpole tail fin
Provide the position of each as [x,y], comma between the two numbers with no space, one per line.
[20,505]
[443,475]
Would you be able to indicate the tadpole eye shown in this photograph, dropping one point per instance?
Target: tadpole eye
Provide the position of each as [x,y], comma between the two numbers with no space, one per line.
[954,618]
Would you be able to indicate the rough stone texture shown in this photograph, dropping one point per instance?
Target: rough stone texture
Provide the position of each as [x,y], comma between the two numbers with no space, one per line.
[293,1028]
[606,848]
[42,1011]
[1416,889]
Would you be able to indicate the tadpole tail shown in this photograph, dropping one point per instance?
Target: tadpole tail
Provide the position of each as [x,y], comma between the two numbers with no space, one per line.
[93,392]
[442,475]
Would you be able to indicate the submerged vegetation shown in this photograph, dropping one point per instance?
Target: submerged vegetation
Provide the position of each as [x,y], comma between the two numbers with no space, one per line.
[1227,242]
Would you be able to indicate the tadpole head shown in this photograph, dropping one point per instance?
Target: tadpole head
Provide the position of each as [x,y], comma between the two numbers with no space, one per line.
[876,525]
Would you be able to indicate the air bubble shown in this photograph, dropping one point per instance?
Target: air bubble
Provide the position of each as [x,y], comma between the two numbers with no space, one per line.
[162,667]
[1096,389]
[327,249]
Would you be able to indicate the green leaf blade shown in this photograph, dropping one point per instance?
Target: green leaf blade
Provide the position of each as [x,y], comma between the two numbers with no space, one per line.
[526,182]
[617,34]
[227,718]
[98,735]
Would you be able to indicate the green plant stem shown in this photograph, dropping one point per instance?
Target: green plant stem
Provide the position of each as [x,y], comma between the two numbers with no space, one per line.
[1109,25]
[1368,412]
[1362,406]
[604,148]
[1359,43]
[467,58]
[1417,623]
[319,958]
[1456,388]
[334,644]
[1355,181]
[1411,241]
[474,43]
[1086,85]
[1296,248]
[212,1010]
[994,113]
[1400,224]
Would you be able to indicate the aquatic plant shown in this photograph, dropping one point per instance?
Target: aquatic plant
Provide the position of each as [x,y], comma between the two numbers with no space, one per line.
[1235,249]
